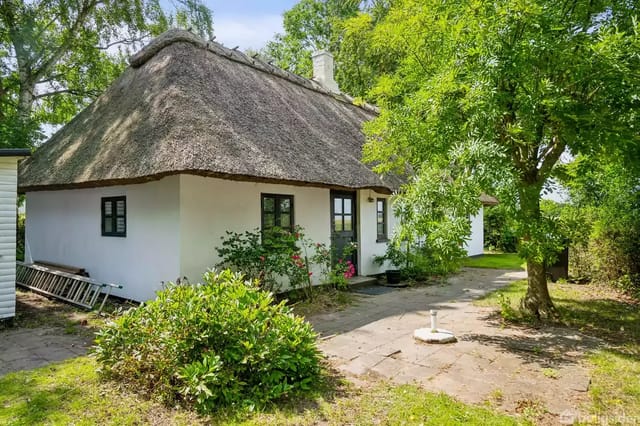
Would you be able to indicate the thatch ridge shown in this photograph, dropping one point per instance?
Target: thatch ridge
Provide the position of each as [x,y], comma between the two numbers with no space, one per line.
[180,108]
[178,35]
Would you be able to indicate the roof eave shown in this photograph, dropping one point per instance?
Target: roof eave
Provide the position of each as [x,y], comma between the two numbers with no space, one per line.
[381,189]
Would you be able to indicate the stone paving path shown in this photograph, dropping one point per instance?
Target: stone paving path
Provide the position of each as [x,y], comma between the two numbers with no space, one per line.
[29,348]
[513,367]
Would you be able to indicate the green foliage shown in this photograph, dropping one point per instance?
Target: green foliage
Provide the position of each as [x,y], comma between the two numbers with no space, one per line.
[499,232]
[264,257]
[278,257]
[417,261]
[335,268]
[341,27]
[57,56]
[20,245]
[217,344]
[486,96]
[606,211]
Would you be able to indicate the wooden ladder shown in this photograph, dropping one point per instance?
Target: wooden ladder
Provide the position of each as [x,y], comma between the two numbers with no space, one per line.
[75,289]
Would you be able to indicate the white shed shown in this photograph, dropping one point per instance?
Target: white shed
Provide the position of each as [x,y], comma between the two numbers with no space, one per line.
[8,183]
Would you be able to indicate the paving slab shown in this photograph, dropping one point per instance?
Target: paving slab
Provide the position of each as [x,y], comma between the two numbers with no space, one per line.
[375,336]
[29,348]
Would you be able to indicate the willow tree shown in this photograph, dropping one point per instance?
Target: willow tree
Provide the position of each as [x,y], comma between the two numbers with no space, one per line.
[56,56]
[489,95]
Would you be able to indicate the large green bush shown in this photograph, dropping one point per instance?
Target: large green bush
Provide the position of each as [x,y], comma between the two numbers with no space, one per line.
[606,203]
[221,343]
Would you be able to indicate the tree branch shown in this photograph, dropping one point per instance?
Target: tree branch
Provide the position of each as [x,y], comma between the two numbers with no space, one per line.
[68,91]
[550,157]
[125,41]
[83,13]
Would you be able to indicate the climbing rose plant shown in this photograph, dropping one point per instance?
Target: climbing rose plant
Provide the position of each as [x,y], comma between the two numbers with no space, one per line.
[278,257]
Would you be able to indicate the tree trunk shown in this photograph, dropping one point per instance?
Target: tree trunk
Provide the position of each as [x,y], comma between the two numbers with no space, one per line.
[537,301]
[25,102]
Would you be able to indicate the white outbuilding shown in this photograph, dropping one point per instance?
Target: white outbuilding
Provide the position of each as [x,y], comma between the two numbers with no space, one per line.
[8,183]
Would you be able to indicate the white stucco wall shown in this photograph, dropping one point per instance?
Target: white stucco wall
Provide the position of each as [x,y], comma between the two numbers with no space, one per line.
[64,227]
[367,232]
[475,244]
[209,207]
[174,225]
[8,182]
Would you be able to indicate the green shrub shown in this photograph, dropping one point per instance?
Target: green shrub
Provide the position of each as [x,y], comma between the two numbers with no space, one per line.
[218,344]
[419,261]
[20,226]
[499,231]
[280,257]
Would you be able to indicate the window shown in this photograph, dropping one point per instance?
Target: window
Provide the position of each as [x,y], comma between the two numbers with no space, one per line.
[381,219]
[277,211]
[342,214]
[114,217]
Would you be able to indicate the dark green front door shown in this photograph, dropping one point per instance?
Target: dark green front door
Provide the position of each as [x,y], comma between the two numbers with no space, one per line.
[343,223]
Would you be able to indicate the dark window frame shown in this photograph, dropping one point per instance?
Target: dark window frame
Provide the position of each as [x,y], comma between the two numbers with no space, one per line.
[276,211]
[384,237]
[114,216]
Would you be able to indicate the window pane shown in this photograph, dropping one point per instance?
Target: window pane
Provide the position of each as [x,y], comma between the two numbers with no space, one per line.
[108,208]
[268,204]
[347,206]
[285,220]
[120,208]
[380,218]
[337,220]
[285,205]
[337,205]
[380,230]
[120,225]
[347,222]
[108,225]
[269,220]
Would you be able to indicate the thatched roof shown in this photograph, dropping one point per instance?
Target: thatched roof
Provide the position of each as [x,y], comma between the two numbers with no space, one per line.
[190,106]
[488,200]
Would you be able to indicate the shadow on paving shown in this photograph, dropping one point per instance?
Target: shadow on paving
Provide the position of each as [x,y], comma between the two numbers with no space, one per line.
[549,347]
[464,287]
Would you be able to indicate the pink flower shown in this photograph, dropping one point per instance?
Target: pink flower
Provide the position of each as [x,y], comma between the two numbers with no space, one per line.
[339,260]
[295,257]
[310,273]
[261,258]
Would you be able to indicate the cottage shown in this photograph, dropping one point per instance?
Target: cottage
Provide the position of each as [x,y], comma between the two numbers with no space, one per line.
[195,139]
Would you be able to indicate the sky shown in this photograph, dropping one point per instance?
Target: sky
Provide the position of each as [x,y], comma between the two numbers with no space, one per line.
[247,23]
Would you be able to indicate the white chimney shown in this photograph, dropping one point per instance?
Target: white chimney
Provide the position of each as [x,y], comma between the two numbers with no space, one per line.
[323,70]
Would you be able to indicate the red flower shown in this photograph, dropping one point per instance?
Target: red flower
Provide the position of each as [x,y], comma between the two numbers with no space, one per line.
[310,273]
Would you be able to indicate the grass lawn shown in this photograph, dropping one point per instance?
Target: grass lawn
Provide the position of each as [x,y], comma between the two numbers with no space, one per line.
[496,261]
[601,312]
[72,393]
